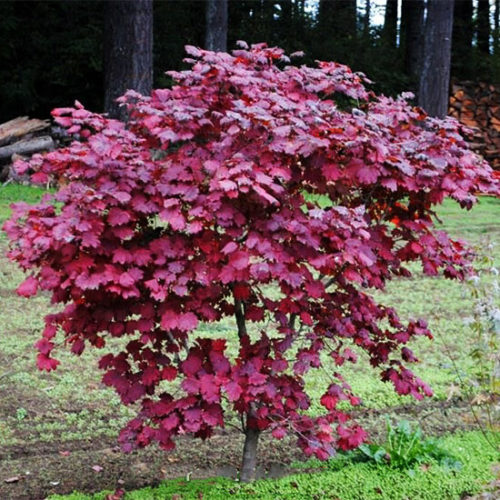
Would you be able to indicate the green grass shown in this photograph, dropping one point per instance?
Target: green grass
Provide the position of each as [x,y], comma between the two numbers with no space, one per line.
[479,222]
[12,193]
[353,481]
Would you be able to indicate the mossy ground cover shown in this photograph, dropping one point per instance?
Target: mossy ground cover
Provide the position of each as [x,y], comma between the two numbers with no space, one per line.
[58,426]
[350,481]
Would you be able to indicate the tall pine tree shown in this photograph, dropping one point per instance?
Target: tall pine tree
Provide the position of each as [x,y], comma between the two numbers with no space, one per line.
[216,25]
[128,51]
[435,76]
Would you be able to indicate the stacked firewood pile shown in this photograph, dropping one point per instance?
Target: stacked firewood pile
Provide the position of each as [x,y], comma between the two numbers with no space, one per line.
[21,138]
[477,105]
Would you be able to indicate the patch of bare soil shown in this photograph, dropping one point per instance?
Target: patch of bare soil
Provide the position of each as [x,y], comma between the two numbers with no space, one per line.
[94,466]
[41,469]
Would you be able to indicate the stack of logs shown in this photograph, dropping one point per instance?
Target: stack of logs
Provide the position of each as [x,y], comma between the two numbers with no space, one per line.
[20,138]
[477,105]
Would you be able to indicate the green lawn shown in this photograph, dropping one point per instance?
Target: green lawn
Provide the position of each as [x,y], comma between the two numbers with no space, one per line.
[70,405]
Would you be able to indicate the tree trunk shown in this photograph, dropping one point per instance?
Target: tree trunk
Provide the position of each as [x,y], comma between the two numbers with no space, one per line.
[463,28]
[337,17]
[390,30]
[249,459]
[435,76]
[286,24]
[249,462]
[496,33]
[216,25]
[347,16]
[298,11]
[128,51]
[412,26]
[483,26]
[366,19]
[326,13]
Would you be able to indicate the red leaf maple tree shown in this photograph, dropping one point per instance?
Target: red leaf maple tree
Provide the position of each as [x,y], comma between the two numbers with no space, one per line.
[272,194]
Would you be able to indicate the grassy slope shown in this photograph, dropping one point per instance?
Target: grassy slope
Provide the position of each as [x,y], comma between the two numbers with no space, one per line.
[71,404]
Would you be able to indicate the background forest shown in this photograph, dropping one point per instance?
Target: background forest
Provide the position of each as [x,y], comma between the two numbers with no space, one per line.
[52,52]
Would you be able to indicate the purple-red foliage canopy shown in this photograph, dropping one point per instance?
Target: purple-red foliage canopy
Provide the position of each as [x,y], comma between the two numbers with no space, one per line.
[205,205]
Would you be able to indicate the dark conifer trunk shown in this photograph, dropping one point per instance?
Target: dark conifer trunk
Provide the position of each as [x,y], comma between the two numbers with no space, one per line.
[128,51]
[347,16]
[390,29]
[483,26]
[496,33]
[366,19]
[463,28]
[463,33]
[326,12]
[216,25]
[286,25]
[435,76]
[337,18]
[412,26]
[298,12]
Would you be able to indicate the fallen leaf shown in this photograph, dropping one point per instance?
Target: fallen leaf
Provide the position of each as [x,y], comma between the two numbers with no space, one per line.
[453,390]
[117,495]
[480,398]
[13,479]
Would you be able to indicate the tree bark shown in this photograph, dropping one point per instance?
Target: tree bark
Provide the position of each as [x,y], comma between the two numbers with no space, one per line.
[128,51]
[463,28]
[483,26]
[286,23]
[390,29]
[366,19]
[412,26]
[298,11]
[249,462]
[252,433]
[496,33]
[216,25]
[337,17]
[435,76]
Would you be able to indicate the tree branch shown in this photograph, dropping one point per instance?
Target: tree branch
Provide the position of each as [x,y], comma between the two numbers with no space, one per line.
[240,318]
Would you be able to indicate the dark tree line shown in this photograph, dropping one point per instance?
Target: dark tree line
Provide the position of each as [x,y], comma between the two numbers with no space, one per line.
[70,52]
